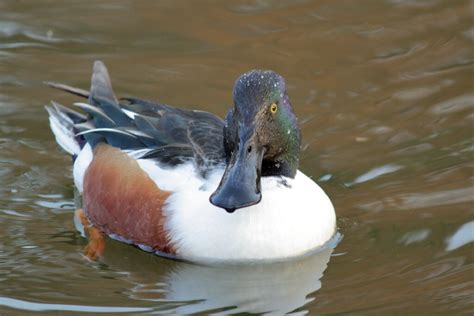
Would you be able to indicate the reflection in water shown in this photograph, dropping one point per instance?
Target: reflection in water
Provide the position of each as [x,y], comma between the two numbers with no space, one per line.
[376,172]
[415,236]
[276,288]
[461,103]
[462,236]
[43,307]
[421,200]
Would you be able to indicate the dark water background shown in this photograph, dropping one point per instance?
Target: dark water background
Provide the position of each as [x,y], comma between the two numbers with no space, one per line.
[384,92]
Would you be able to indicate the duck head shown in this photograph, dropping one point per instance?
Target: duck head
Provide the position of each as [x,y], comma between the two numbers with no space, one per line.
[261,138]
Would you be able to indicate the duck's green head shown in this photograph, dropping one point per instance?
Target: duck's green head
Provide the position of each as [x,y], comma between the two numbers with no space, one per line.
[261,138]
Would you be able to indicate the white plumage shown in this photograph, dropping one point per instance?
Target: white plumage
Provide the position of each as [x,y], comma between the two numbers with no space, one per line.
[290,220]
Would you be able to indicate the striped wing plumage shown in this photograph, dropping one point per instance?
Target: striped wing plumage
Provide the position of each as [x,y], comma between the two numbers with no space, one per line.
[150,130]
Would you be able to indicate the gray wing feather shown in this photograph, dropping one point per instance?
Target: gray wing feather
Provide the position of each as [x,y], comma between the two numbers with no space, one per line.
[171,135]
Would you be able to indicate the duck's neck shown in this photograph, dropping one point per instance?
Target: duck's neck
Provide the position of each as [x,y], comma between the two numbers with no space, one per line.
[286,166]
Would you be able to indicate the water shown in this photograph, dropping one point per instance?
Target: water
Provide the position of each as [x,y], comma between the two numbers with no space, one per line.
[384,94]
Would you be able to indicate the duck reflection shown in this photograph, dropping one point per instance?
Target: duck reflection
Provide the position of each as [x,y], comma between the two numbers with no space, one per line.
[185,288]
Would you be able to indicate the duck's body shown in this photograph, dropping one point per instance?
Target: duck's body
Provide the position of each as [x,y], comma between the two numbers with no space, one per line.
[153,175]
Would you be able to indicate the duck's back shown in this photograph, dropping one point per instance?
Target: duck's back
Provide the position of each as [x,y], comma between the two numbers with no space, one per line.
[151,130]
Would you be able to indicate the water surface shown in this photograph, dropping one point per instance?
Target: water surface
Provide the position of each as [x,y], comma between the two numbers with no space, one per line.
[384,94]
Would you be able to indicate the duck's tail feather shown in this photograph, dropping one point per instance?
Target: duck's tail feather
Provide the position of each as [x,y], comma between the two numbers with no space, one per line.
[67,124]
[62,121]
[101,86]
[64,87]
[70,127]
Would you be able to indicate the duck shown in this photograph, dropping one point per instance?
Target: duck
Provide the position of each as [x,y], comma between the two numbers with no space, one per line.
[187,184]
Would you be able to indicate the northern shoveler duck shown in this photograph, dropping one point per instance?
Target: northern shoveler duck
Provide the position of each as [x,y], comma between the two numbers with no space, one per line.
[187,184]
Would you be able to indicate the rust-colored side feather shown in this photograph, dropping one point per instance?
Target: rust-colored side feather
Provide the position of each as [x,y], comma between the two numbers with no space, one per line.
[120,198]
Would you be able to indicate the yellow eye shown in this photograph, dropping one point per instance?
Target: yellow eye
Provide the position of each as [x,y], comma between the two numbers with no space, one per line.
[273,108]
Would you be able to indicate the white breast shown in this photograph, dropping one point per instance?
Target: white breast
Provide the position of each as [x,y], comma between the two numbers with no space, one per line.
[290,219]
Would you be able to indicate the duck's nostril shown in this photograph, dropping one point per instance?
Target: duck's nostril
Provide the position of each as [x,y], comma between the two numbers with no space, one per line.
[249,149]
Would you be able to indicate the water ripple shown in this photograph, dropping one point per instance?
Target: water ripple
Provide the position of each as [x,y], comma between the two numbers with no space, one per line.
[463,236]
[457,104]
[11,29]
[421,200]
[375,173]
[45,307]
[22,45]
